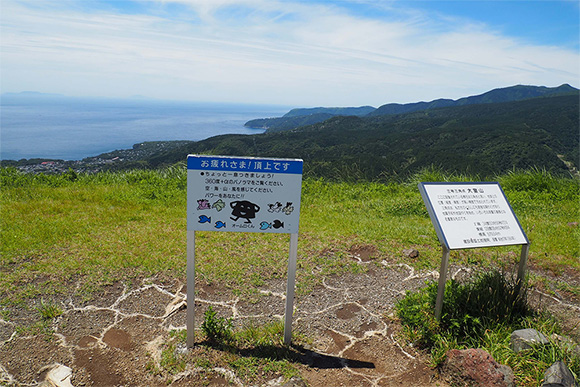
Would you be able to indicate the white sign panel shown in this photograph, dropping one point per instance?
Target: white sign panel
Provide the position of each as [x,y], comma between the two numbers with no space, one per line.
[243,194]
[469,215]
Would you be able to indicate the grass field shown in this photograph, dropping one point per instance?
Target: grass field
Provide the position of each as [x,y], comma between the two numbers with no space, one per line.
[112,226]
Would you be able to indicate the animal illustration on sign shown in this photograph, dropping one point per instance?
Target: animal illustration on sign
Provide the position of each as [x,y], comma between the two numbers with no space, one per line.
[203,204]
[219,224]
[275,207]
[219,205]
[276,224]
[204,219]
[288,209]
[244,209]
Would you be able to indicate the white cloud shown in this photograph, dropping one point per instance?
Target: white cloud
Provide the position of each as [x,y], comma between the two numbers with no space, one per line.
[265,51]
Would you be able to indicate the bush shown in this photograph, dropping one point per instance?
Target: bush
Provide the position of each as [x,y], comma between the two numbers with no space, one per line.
[216,329]
[468,309]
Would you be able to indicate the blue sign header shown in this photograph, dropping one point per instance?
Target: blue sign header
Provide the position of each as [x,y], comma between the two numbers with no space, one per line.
[244,164]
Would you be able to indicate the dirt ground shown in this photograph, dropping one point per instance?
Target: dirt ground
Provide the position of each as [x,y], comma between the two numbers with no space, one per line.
[117,338]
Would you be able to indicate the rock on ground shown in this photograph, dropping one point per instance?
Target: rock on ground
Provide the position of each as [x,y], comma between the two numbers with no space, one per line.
[558,375]
[526,338]
[476,367]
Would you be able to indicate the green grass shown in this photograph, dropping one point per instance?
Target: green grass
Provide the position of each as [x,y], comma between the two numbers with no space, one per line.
[113,226]
[49,310]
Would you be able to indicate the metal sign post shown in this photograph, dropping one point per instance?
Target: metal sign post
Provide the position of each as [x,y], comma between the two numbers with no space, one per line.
[471,215]
[289,311]
[190,318]
[441,285]
[238,194]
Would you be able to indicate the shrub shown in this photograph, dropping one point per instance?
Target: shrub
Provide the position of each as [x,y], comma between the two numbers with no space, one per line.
[468,309]
[216,329]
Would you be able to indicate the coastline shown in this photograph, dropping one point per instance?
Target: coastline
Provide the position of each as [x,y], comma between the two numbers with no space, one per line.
[117,159]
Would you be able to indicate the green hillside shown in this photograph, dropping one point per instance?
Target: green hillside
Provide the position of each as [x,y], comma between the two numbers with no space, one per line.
[296,118]
[75,246]
[337,111]
[300,117]
[506,94]
[484,140]
[287,122]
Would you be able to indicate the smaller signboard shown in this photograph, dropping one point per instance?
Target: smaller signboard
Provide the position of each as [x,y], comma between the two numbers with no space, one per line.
[470,215]
[243,194]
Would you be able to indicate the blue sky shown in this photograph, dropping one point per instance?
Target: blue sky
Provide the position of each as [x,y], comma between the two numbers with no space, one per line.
[298,53]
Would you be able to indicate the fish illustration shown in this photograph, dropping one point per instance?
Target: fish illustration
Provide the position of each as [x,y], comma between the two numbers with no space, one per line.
[219,205]
[219,224]
[204,219]
[276,224]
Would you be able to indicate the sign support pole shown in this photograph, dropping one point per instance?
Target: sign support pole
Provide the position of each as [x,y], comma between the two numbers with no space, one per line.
[290,289]
[522,266]
[442,280]
[190,319]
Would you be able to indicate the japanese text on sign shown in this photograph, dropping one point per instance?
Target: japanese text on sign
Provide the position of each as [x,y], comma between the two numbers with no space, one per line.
[467,215]
[243,194]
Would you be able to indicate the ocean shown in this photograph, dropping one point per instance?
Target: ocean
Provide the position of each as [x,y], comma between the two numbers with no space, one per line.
[35,125]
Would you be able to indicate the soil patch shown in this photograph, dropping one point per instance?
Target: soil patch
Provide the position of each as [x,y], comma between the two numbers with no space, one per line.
[122,336]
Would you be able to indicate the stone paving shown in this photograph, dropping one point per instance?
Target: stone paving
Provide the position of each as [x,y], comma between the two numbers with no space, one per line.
[116,339]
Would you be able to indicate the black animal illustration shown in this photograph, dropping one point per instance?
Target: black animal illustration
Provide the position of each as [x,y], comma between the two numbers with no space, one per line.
[244,209]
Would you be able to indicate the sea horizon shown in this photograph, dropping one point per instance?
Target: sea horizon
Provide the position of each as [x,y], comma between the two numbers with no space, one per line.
[51,126]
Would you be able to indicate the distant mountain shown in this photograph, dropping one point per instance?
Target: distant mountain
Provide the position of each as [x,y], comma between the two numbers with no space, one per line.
[316,115]
[28,96]
[286,123]
[508,94]
[296,118]
[335,111]
[479,139]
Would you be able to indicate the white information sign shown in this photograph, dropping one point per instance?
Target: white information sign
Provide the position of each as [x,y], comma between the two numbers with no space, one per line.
[469,215]
[243,194]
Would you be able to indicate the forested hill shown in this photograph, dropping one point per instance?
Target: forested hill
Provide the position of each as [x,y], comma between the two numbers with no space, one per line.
[300,117]
[482,139]
[507,94]
[335,111]
[296,118]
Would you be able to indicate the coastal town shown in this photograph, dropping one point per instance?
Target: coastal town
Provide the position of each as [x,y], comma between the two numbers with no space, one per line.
[118,159]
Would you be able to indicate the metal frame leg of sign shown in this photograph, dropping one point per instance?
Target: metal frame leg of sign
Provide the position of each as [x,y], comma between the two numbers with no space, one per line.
[445,268]
[290,289]
[522,266]
[190,319]
[442,281]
